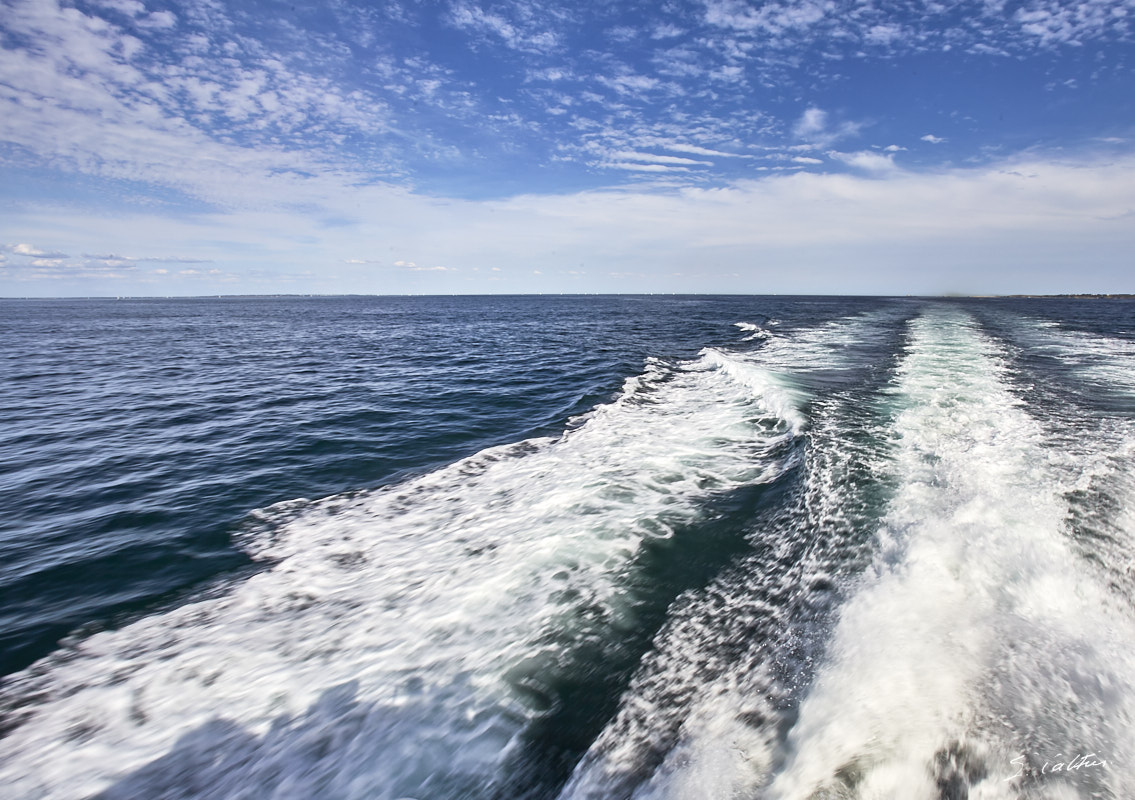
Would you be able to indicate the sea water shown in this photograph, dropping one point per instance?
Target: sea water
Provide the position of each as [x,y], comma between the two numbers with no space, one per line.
[577,547]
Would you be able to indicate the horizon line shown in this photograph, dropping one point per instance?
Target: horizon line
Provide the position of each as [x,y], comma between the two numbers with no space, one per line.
[312,295]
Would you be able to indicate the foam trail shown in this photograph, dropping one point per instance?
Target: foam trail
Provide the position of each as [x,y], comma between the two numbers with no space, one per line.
[377,654]
[1101,493]
[726,670]
[979,651]
[983,647]
[1105,363]
[1086,403]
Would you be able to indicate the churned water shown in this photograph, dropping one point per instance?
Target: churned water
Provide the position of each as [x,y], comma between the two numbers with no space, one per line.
[567,547]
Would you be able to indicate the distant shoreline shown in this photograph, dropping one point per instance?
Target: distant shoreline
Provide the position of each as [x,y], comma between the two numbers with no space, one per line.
[1070,296]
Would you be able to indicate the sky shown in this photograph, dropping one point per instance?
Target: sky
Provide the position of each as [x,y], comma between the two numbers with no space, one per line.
[398,147]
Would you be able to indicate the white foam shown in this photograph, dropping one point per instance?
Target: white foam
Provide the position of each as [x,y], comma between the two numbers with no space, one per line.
[978,636]
[982,635]
[755,332]
[1104,362]
[774,388]
[387,622]
[707,701]
[1093,445]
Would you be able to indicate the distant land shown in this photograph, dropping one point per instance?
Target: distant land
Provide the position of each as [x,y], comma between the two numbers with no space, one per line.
[1072,296]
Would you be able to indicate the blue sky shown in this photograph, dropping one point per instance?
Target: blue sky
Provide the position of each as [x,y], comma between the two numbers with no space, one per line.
[205,147]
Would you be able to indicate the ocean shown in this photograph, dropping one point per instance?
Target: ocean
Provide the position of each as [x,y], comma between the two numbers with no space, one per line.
[587,548]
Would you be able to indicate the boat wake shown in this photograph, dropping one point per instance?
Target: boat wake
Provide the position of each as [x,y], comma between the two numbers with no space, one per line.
[848,561]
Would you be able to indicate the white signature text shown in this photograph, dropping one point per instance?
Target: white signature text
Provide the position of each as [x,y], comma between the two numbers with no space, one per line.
[1059,764]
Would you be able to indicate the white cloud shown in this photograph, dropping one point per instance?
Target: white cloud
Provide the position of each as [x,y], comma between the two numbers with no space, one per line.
[886,34]
[866,160]
[692,149]
[525,35]
[774,18]
[159,19]
[84,102]
[633,167]
[806,160]
[551,74]
[622,33]
[933,139]
[989,27]
[629,83]
[730,73]
[1055,24]
[808,218]
[893,148]
[666,31]
[984,49]
[24,249]
[115,258]
[685,62]
[812,122]
[815,126]
[809,231]
[131,8]
[630,155]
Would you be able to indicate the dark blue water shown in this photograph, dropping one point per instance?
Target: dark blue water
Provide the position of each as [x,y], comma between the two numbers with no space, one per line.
[568,545]
[138,434]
